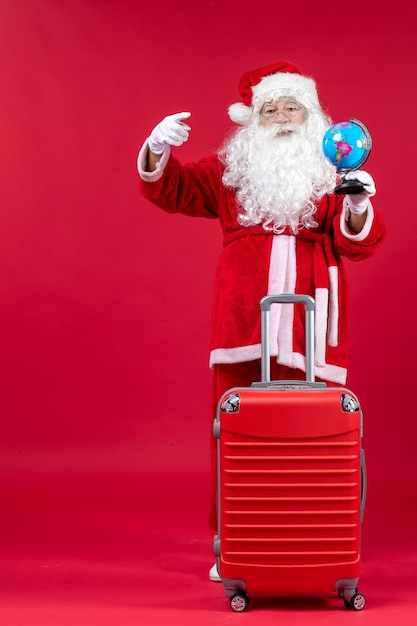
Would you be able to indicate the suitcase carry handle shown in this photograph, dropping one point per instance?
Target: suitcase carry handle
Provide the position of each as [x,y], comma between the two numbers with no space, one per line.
[363,484]
[284,298]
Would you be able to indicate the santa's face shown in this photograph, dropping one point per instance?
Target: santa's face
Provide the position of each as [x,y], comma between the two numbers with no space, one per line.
[283,111]
[277,167]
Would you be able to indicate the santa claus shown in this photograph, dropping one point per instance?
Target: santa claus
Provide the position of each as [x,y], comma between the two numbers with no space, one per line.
[285,231]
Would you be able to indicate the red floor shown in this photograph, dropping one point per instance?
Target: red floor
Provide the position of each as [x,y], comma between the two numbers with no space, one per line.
[124,551]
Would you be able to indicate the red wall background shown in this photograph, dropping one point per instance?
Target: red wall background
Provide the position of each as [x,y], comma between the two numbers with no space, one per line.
[105,301]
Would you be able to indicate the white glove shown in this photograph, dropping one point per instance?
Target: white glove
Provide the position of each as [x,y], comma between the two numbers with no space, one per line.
[358,203]
[170,131]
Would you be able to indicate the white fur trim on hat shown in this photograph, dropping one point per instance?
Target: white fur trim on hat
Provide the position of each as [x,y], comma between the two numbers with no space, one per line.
[286,84]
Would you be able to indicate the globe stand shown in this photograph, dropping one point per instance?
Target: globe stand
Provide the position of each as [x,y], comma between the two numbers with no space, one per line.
[350,187]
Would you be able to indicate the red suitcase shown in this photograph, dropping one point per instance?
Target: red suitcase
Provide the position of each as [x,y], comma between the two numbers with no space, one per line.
[291,483]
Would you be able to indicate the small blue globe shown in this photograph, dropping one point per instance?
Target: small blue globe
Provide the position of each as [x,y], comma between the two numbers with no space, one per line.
[347,145]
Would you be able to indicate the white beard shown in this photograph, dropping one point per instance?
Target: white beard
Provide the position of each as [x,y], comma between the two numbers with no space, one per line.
[278,178]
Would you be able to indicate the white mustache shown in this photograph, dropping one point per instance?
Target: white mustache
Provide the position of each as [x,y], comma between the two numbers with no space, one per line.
[286,128]
[279,129]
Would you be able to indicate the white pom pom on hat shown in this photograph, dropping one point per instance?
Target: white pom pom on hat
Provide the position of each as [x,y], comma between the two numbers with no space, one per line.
[270,82]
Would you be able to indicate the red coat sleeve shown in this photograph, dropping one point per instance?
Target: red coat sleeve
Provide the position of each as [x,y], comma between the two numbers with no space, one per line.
[191,189]
[355,247]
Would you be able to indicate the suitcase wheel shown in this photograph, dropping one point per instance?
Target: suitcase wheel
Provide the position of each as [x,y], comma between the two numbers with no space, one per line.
[357,602]
[239,602]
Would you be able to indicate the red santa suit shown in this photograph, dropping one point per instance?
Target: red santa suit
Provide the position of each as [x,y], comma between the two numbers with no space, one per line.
[256,262]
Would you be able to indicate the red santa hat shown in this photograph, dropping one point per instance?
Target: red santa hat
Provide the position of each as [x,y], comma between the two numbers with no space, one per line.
[270,83]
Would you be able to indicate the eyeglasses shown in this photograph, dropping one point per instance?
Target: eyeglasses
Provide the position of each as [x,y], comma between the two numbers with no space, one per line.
[269,111]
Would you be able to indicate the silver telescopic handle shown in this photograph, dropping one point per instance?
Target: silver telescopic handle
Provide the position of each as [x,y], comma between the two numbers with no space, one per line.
[309,305]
